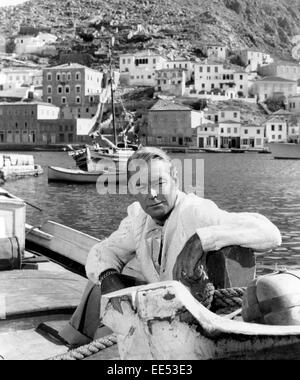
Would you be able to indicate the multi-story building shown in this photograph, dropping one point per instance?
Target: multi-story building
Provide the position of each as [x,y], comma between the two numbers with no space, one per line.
[171,81]
[171,124]
[252,136]
[19,122]
[139,69]
[14,77]
[33,44]
[207,135]
[74,88]
[252,58]
[283,69]
[229,128]
[184,64]
[270,86]
[216,51]
[210,75]
[276,129]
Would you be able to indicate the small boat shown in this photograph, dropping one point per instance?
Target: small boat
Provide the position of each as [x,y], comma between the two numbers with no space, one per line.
[14,166]
[150,329]
[57,174]
[235,150]
[216,150]
[285,151]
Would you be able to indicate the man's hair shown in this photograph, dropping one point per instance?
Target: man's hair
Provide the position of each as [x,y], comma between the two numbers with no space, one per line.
[148,154]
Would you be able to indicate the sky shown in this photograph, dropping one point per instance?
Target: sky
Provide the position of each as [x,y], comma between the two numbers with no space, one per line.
[5,3]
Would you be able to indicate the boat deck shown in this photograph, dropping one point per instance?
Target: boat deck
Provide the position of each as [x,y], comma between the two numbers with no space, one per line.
[34,302]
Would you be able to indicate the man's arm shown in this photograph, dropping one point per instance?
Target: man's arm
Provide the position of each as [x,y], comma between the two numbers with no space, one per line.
[112,253]
[225,229]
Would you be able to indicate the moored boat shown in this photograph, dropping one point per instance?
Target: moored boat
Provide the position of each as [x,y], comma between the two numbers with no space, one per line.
[14,166]
[285,151]
[57,174]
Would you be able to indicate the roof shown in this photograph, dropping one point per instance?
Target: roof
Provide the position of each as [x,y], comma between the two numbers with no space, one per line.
[282,112]
[276,118]
[229,122]
[147,53]
[287,63]
[70,65]
[34,102]
[210,62]
[171,70]
[254,50]
[276,79]
[163,105]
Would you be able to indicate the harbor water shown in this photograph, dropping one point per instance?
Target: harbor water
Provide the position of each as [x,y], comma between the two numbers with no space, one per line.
[236,182]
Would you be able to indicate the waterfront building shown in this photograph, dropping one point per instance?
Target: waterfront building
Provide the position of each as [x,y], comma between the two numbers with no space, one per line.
[33,43]
[284,69]
[19,121]
[207,135]
[171,81]
[252,58]
[60,131]
[270,86]
[252,136]
[139,69]
[74,88]
[171,124]
[276,129]
[229,128]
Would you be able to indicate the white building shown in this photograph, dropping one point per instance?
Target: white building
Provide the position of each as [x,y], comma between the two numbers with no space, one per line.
[252,136]
[276,129]
[33,44]
[182,63]
[270,86]
[15,77]
[253,58]
[207,135]
[210,75]
[139,69]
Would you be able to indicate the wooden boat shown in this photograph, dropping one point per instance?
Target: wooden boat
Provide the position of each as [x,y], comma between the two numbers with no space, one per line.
[150,328]
[285,151]
[57,174]
[235,150]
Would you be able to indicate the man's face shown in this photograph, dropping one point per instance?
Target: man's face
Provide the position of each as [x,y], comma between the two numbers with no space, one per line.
[155,188]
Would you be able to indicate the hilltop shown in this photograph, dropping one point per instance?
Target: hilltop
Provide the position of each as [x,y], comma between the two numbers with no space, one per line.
[176,27]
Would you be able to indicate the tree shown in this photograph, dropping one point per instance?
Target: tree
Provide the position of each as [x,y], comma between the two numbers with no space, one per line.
[276,102]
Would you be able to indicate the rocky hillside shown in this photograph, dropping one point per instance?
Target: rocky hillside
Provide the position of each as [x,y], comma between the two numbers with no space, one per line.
[169,26]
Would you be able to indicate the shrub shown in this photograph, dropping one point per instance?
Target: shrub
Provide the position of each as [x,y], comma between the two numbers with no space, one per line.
[234,5]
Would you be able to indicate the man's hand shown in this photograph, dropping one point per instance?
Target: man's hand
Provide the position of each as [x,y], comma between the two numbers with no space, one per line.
[186,268]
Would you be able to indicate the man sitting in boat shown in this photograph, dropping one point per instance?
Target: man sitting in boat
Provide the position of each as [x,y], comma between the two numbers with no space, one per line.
[166,233]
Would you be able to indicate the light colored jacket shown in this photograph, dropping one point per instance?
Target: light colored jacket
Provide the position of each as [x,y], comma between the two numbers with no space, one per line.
[216,229]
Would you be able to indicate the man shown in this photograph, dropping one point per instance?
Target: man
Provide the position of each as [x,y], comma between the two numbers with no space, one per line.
[166,233]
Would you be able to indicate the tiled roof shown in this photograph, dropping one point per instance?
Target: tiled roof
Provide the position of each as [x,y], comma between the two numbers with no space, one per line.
[282,112]
[276,79]
[163,105]
[229,122]
[70,65]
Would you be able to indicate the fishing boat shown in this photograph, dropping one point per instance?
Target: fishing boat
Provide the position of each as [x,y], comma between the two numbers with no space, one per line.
[57,174]
[285,151]
[14,166]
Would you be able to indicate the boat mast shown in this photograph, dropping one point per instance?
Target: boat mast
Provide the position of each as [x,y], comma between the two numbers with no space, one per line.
[112,90]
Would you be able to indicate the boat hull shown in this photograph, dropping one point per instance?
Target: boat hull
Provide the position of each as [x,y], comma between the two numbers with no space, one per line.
[151,328]
[57,174]
[285,151]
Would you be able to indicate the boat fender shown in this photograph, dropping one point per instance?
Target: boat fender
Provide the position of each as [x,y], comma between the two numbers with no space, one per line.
[10,254]
[273,299]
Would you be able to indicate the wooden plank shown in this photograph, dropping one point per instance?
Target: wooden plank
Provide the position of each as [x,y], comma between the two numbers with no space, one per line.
[31,292]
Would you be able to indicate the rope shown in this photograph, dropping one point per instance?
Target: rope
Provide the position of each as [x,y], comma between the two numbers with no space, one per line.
[89,350]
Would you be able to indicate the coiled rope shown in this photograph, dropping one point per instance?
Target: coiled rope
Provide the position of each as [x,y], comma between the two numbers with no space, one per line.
[89,350]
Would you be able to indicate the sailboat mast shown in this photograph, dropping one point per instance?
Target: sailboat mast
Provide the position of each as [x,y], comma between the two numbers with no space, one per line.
[112,92]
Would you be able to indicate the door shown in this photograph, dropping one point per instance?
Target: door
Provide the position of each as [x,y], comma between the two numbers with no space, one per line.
[201,142]
[180,140]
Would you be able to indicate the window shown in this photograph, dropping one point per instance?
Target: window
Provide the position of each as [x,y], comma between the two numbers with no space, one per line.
[154,61]
[201,69]
[78,99]
[67,89]
[223,114]
[49,89]
[78,89]
[241,77]
[174,139]
[87,110]
[222,130]
[235,115]
[59,89]
[279,127]
[245,141]
[78,76]
[58,76]
[69,76]
[258,142]
[272,127]
[228,130]
[235,130]
[258,131]
[208,69]
[63,100]
[124,61]
[273,137]
[49,77]
[246,131]
[49,100]
[216,69]
[279,137]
